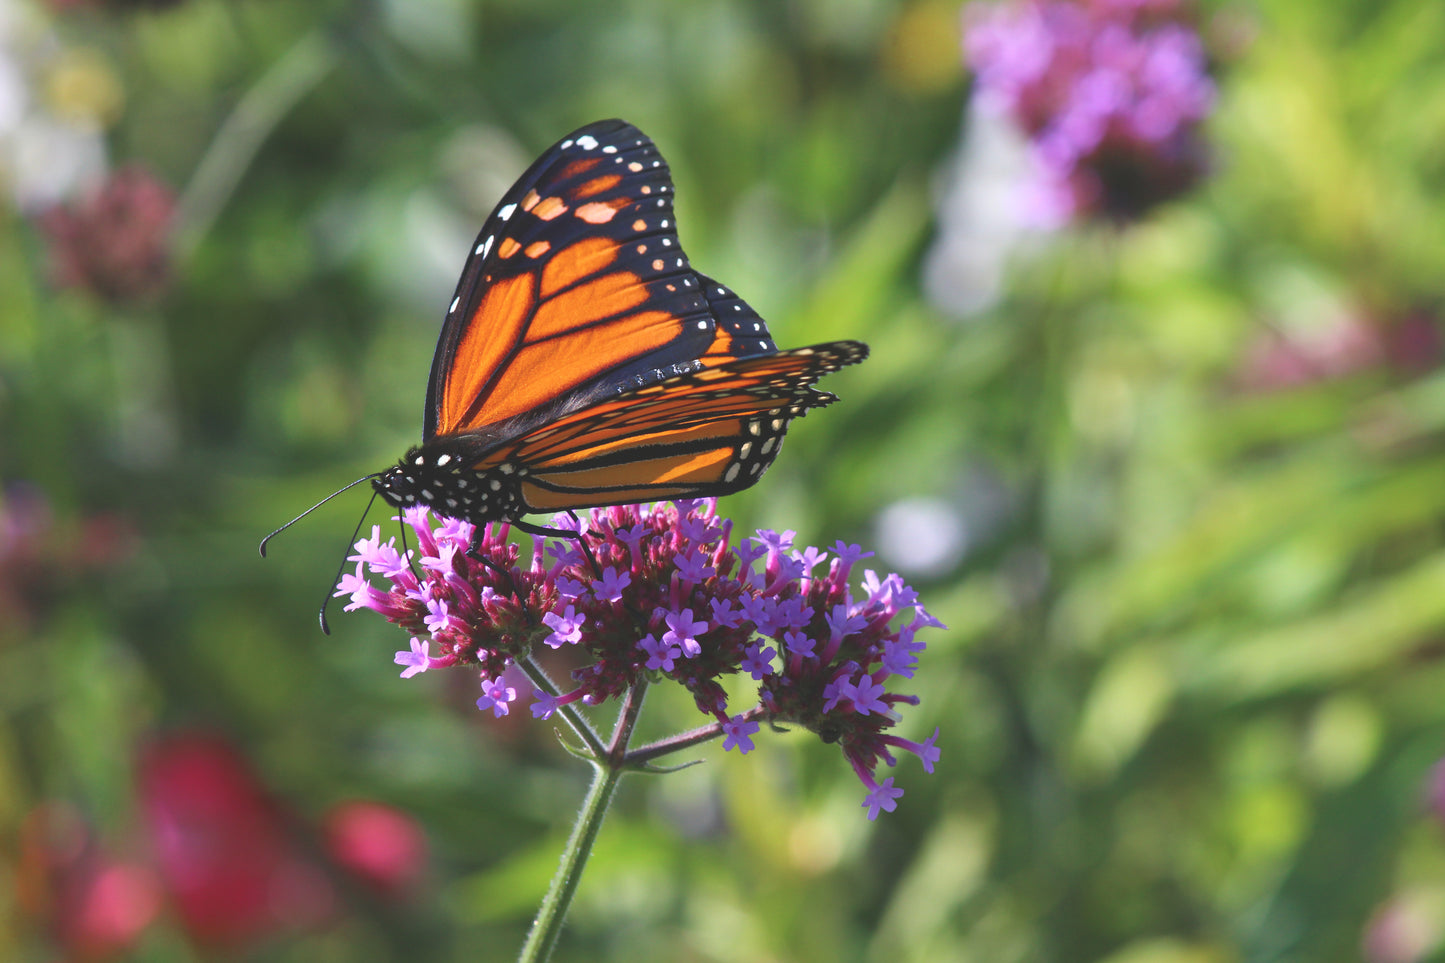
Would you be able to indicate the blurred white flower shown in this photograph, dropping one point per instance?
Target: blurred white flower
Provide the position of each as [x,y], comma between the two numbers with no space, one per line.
[989,212]
[44,157]
[48,160]
[921,536]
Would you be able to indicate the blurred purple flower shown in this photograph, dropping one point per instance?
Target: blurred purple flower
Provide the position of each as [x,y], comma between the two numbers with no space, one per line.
[1110,94]
[712,616]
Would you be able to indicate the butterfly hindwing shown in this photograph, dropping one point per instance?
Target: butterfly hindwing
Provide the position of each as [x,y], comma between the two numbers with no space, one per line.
[710,432]
[576,285]
[738,330]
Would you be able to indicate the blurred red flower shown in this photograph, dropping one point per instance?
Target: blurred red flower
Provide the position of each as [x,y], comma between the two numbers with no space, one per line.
[93,905]
[115,241]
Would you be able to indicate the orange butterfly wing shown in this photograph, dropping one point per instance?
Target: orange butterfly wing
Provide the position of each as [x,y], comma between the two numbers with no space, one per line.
[583,362]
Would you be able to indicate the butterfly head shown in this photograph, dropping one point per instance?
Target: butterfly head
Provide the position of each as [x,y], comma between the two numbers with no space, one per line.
[444,481]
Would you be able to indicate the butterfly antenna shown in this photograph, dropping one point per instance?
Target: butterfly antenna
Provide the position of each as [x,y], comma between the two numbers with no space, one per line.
[318,505]
[321,614]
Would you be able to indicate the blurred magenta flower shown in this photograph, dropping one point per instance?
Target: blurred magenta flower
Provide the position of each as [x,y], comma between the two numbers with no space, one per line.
[223,845]
[1340,344]
[379,845]
[114,241]
[1109,92]
[1333,348]
[1402,929]
[671,597]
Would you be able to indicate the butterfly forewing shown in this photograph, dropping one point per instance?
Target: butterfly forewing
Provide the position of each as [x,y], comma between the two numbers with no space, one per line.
[576,285]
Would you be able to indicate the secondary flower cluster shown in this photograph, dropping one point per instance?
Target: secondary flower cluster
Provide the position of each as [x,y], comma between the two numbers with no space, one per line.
[115,241]
[669,597]
[1109,92]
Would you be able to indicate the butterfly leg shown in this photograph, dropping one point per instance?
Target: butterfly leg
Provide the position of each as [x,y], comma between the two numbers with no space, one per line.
[586,549]
[506,575]
[579,536]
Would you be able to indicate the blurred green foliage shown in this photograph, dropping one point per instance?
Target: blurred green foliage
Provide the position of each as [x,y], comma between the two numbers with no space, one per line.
[1191,694]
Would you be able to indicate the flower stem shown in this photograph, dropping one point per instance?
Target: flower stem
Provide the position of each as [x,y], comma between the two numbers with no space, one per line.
[683,740]
[606,774]
[547,927]
[626,722]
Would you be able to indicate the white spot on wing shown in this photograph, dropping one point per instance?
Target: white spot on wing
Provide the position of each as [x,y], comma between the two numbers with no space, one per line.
[505,211]
[455,301]
[587,142]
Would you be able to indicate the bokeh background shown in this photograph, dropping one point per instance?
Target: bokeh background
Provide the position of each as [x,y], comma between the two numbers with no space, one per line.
[1155,421]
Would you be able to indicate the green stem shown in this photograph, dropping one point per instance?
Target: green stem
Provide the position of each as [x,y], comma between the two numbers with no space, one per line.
[548,925]
[243,133]
[607,772]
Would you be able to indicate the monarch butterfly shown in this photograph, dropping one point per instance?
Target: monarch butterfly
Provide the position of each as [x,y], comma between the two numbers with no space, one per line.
[583,362]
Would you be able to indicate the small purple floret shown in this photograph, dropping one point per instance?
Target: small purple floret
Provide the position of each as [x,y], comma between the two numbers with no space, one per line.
[660,654]
[497,696]
[416,660]
[799,644]
[609,588]
[883,797]
[682,631]
[566,628]
[738,731]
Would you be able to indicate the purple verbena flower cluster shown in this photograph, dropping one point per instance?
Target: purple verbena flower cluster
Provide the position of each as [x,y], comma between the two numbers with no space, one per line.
[1110,93]
[671,597]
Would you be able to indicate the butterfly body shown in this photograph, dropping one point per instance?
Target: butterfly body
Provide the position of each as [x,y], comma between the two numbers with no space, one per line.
[583,362]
